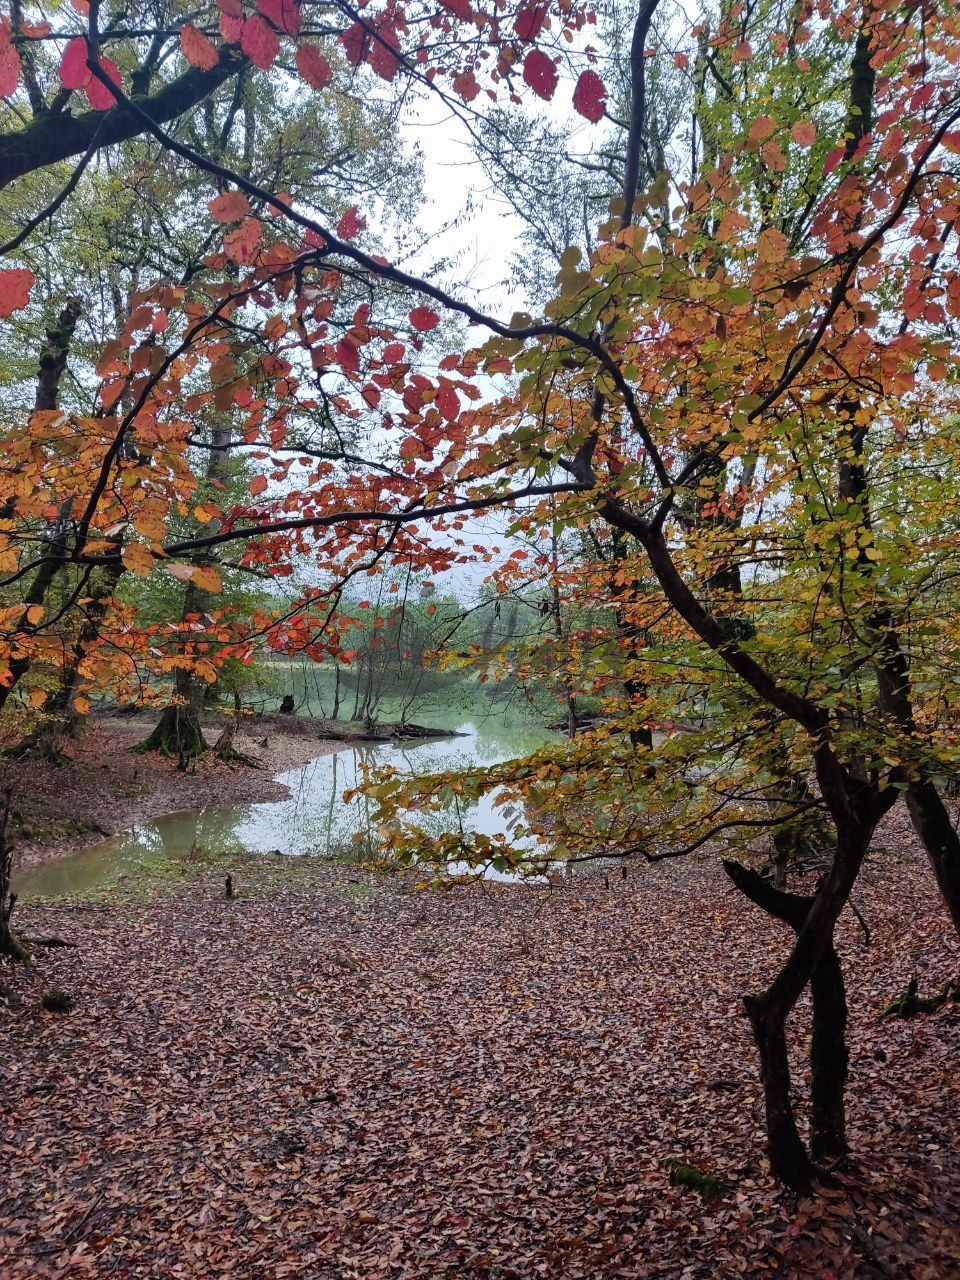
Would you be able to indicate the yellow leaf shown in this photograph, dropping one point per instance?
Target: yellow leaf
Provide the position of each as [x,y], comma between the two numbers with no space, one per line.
[81,705]
[137,559]
[35,613]
[772,245]
[37,697]
[207,579]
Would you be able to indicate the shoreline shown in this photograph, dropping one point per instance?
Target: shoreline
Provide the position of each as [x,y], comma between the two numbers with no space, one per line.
[106,787]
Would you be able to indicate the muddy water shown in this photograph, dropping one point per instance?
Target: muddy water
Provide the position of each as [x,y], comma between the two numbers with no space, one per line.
[313,819]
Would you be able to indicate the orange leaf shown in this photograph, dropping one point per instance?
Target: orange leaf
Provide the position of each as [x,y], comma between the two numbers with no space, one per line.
[196,48]
[231,206]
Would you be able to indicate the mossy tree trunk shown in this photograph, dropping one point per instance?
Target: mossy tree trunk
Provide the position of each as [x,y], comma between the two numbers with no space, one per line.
[178,733]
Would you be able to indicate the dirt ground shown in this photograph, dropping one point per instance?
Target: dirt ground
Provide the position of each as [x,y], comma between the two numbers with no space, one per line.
[108,787]
[339,1076]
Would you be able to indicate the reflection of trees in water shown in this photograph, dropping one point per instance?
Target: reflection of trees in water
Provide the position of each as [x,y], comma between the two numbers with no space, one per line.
[313,819]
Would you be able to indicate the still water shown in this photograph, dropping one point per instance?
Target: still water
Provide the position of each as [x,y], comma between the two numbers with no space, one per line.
[313,819]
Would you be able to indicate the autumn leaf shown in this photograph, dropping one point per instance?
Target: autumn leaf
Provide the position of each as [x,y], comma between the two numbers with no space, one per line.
[424,319]
[772,245]
[258,485]
[448,402]
[466,86]
[137,559]
[803,133]
[284,14]
[231,206]
[348,356]
[530,21]
[182,572]
[242,245]
[590,96]
[313,66]
[350,224]
[15,286]
[98,94]
[9,61]
[74,72]
[762,128]
[207,579]
[460,8]
[540,73]
[356,42]
[197,49]
[260,43]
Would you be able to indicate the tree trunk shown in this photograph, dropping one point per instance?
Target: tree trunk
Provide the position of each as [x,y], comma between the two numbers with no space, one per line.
[789,1161]
[178,734]
[9,944]
[828,1049]
[931,821]
[829,1059]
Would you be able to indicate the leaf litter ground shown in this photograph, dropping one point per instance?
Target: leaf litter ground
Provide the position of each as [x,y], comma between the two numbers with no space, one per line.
[337,1076]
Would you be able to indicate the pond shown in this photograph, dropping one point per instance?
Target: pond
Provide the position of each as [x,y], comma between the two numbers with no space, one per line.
[313,819]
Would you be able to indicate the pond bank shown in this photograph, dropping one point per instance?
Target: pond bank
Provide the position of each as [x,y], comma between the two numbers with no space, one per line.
[107,786]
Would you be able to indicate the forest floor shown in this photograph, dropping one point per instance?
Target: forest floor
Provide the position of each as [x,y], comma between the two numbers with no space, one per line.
[107,786]
[340,1076]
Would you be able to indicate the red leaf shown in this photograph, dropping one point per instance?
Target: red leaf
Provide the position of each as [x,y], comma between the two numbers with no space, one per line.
[382,56]
[231,206]
[465,84]
[459,7]
[9,61]
[258,484]
[197,49]
[313,66]
[284,14]
[98,95]
[15,286]
[259,43]
[833,159]
[540,73]
[590,96]
[350,224]
[448,402]
[74,72]
[530,21]
[241,245]
[348,356]
[393,352]
[231,28]
[355,41]
[424,319]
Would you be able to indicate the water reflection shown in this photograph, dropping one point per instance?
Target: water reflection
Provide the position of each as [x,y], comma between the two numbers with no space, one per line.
[313,819]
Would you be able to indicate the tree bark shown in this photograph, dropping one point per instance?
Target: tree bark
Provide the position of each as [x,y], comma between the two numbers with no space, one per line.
[10,945]
[932,823]
[828,1050]
[178,734]
[57,135]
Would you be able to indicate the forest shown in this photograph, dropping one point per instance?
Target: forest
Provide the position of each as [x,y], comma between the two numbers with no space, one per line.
[480,639]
